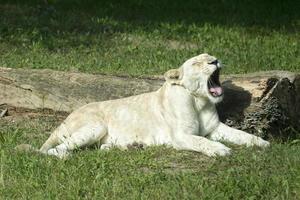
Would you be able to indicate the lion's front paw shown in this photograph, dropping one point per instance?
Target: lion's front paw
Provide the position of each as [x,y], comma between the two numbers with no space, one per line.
[218,149]
[262,143]
[256,141]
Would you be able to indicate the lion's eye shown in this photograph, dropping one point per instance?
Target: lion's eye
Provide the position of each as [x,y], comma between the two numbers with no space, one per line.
[215,62]
[196,63]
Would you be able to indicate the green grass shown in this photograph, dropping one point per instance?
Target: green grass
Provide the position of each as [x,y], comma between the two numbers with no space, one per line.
[140,37]
[152,173]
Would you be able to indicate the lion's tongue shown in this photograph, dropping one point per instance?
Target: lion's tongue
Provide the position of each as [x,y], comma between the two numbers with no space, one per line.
[216,91]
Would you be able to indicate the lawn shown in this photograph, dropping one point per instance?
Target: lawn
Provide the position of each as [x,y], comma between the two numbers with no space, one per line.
[139,37]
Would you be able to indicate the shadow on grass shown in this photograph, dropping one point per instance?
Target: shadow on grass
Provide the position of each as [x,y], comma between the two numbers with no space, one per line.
[116,15]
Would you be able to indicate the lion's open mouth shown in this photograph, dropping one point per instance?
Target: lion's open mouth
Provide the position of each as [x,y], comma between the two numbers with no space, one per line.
[214,85]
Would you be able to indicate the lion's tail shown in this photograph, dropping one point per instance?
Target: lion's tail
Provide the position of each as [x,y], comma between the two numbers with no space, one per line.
[26,148]
[50,143]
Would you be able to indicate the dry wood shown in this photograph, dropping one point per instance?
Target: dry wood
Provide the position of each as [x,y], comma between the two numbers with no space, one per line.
[261,103]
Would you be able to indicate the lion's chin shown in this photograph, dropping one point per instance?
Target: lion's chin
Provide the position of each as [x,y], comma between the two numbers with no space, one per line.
[215,100]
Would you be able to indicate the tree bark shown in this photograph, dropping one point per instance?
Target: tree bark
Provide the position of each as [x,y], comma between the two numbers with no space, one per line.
[264,103]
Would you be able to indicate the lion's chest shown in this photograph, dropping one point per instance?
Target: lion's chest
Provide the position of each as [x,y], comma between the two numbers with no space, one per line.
[208,119]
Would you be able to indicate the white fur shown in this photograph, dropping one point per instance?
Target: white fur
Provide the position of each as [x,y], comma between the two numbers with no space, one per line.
[181,114]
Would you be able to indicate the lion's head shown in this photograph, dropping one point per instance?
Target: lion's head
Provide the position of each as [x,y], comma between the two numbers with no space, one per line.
[200,76]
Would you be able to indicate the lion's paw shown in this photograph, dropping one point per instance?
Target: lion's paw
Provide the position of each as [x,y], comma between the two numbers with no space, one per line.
[218,149]
[58,153]
[262,143]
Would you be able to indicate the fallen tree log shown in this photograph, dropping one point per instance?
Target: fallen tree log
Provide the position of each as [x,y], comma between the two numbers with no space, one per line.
[262,103]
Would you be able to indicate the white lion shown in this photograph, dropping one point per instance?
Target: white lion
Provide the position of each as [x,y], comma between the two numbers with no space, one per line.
[181,114]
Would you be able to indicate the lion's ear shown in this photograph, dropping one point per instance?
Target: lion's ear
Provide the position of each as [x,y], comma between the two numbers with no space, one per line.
[174,76]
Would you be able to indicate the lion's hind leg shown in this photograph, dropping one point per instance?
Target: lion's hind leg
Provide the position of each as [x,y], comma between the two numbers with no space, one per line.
[86,135]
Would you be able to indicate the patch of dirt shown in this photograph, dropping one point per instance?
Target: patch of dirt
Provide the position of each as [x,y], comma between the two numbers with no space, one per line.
[17,114]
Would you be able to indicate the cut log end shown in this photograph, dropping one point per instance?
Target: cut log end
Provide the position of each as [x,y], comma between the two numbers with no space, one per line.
[273,113]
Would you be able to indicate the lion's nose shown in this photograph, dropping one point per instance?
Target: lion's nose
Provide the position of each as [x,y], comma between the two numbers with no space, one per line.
[219,64]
